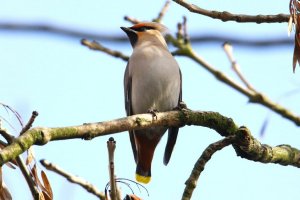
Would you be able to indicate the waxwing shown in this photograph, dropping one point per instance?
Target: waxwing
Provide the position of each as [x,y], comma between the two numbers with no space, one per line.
[152,82]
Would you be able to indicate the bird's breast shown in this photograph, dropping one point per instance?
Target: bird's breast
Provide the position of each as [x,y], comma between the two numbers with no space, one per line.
[155,81]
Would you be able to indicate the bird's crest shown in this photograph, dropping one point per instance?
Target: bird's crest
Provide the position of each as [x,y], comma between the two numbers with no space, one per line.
[151,25]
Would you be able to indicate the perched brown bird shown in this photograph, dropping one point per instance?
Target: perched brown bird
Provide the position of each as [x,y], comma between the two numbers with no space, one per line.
[152,82]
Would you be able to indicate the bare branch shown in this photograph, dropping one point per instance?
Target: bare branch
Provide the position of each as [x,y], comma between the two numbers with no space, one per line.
[111,146]
[235,66]
[96,46]
[201,38]
[191,183]
[19,161]
[163,11]
[33,188]
[73,179]
[131,20]
[246,146]
[223,125]
[30,122]
[185,49]
[227,16]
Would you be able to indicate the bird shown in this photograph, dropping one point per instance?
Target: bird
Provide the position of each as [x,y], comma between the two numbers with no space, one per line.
[152,83]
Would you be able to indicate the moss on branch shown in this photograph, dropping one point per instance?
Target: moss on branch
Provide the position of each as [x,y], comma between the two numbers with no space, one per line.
[245,145]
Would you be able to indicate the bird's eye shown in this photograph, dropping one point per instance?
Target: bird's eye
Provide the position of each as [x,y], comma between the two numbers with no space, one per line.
[142,28]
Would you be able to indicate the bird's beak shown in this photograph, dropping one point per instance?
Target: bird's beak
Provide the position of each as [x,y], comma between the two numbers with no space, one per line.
[132,35]
[127,30]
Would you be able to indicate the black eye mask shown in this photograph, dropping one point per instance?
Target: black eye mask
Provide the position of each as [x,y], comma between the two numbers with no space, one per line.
[142,28]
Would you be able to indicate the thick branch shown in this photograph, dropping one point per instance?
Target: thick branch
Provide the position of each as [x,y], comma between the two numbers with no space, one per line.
[248,147]
[227,16]
[223,125]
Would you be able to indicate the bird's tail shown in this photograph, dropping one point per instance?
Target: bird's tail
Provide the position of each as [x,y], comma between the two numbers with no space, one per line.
[145,151]
[143,167]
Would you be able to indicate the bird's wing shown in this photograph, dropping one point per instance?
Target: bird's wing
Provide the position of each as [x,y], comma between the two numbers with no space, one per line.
[128,107]
[172,132]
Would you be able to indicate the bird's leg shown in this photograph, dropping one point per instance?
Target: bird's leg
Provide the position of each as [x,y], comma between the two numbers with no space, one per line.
[153,112]
[181,106]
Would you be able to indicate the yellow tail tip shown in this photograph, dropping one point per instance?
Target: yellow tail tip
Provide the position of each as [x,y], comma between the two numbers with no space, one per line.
[142,179]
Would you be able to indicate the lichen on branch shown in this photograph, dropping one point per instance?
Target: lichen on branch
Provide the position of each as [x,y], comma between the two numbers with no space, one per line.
[246,146]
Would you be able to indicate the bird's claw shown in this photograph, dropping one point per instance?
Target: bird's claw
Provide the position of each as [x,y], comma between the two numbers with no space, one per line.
[153,112]
[181,106]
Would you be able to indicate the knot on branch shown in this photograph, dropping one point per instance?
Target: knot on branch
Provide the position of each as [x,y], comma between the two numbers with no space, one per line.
[140,121]
[45,136]
[243,138]
[184,117]
[245,146]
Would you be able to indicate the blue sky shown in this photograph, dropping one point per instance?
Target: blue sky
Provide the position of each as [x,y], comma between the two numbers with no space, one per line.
[69,84]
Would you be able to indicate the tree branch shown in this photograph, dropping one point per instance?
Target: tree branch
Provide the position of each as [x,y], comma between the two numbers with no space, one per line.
[73,179]
[162,12]
[235,66]
[227,16]
[20,163]
[96,46]
[246,146]
[221,124]
[185,49]
[191,183]
[199,38]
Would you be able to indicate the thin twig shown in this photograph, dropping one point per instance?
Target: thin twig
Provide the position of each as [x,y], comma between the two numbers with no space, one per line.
[30,122]
[185,49]
[22,165]
[73,179]
[131,19]
[191,183]
[15,113]
[7,136]
[19,161]
[162,12]
[227,16]
[185,32]
[235,66]
[111,146]
[30,182]
[96,46]
[200,38]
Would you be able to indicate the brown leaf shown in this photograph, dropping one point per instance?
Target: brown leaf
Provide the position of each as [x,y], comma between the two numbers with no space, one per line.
[294,10]
[34,173]
[132,197]
[30,156]
[36,179]
[4,193]
[41,196]
[47,186]
[296,56]
[290,26]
